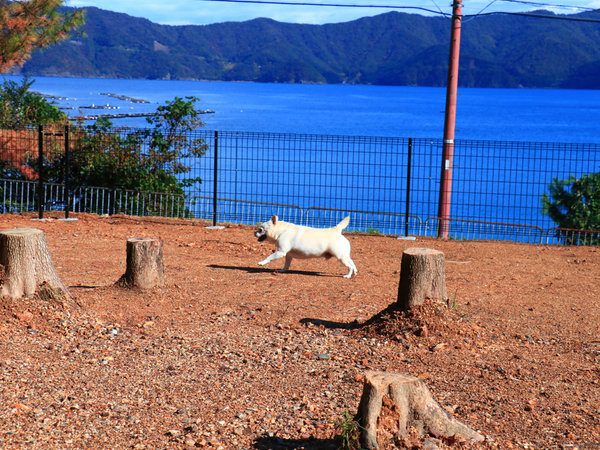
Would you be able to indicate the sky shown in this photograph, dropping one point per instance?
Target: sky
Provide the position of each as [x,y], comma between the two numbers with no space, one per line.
[202,12]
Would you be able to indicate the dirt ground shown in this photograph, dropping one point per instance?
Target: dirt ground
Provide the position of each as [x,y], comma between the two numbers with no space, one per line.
[233,355]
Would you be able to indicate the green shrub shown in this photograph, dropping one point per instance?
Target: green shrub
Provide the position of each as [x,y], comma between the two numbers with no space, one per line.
[574,204]
[20,107]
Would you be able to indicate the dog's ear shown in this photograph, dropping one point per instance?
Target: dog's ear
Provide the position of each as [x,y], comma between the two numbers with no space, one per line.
[274,219]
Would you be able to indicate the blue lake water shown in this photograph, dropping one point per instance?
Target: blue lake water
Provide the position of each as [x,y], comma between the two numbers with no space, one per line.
[493,181]
[482,114]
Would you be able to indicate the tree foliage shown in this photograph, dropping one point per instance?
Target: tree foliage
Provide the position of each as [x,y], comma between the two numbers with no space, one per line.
[154,159]
[26,25]
[150,159]
[171,137]
[20,111]
[19,107]
[574,203]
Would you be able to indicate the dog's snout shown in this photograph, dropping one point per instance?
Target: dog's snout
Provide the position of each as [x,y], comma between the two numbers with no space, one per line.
[260,234]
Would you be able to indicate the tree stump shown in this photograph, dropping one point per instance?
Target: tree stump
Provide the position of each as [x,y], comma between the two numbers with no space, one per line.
[27,265]
[422,275]
[408,403]
[145,267]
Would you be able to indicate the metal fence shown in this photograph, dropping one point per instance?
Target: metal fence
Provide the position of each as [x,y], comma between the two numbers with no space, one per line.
[387,185]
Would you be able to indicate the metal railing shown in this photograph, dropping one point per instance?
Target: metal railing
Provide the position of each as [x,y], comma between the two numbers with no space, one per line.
[387,185]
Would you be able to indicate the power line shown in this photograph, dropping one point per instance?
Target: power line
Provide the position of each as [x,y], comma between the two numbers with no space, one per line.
[540,16]
[335,5]
[419,8]
[440,9]
[549,5]
[474,16]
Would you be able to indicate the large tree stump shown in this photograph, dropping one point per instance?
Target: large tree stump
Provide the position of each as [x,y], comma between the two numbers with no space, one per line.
[145,267]
[408,403]
[422,275]
[27,265]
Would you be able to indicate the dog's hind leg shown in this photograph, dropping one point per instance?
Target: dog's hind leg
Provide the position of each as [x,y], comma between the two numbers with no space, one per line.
[288,261]
[347,261]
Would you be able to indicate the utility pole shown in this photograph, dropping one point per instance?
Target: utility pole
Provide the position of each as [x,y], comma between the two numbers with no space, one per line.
[449,122]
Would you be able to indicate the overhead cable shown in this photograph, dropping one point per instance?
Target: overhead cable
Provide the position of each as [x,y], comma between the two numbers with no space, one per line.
[335,5]
[540,16]
[419,8]
[549,5]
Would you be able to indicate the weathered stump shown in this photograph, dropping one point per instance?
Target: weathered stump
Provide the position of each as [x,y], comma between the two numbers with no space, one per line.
[408,403]
[145,267]
[27,265]
[422,275]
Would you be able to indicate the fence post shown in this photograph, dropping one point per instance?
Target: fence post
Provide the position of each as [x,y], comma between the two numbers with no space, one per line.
[67,196]
[215,178]
[111,202]
[408,170]
[41,171]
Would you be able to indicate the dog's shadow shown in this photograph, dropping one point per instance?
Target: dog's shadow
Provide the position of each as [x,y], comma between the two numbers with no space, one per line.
[277,443]
[267,270]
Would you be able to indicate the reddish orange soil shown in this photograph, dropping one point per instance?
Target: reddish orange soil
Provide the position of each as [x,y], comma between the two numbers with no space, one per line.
[233,355]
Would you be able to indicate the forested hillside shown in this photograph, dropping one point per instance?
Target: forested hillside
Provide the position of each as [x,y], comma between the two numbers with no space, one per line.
[389,49]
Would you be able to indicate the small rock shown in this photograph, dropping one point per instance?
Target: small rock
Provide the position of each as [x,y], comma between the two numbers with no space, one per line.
[430,444]
[24,316]
[22,407]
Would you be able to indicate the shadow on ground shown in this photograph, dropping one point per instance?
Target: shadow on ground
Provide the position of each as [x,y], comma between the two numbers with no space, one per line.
[266,270]
[332,325]
[277,443]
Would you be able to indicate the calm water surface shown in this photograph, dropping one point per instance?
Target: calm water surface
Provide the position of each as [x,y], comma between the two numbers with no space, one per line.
[486,114]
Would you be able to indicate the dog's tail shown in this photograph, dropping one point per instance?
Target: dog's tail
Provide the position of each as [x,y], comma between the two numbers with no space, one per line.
[343,224]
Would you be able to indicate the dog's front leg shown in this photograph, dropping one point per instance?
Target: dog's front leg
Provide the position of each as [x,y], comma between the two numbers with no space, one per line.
[272,257]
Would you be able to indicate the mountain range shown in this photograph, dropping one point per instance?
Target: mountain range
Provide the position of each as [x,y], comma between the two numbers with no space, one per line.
[389,49]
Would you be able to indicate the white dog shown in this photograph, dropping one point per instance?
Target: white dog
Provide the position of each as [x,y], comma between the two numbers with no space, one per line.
[296,241]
